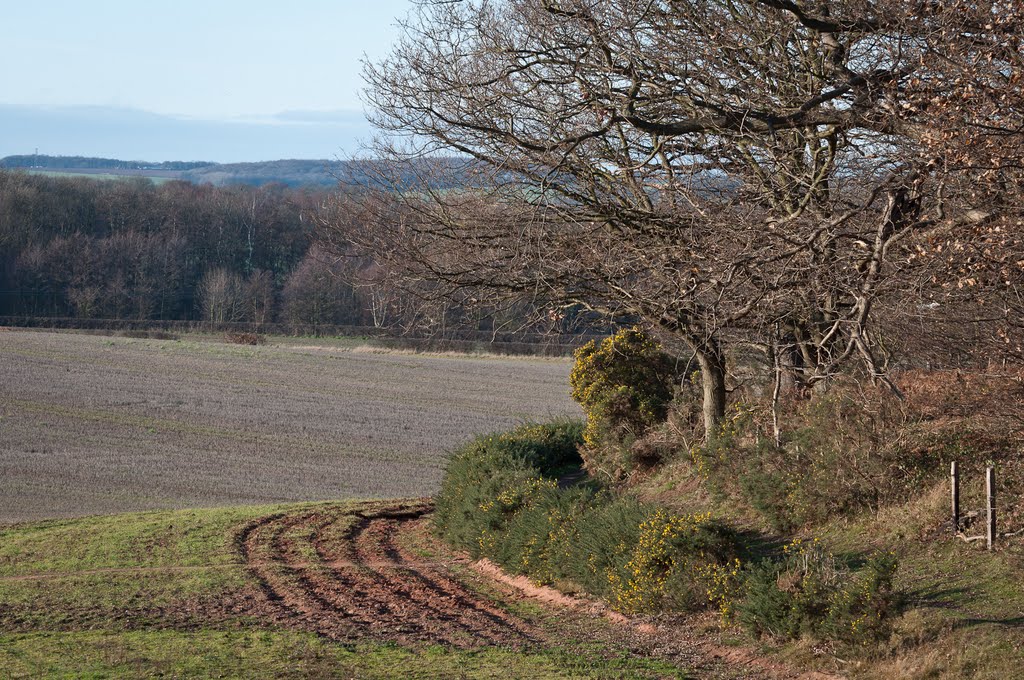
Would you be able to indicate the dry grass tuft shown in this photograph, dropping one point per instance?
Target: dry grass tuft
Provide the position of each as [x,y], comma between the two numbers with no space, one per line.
[245,338]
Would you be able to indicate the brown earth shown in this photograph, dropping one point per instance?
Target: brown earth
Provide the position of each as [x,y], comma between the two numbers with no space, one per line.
[366,576]
[96,425]
[347,578]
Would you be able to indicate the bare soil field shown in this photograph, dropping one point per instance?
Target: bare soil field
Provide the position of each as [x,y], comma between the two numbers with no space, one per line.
[93,424]
[346,577]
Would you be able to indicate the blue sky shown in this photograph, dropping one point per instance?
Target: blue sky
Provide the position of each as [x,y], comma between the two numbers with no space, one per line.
[235,80]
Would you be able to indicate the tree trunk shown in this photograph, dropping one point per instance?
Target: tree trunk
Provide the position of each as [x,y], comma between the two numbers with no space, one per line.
[712,377]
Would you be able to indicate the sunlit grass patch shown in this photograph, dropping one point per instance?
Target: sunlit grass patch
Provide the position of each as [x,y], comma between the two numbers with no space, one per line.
[248,654]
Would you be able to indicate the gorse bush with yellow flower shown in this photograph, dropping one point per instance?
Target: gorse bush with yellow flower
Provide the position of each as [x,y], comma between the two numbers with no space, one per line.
[625,384]
[667,563]
[494,477]
[500,499]
[808,592]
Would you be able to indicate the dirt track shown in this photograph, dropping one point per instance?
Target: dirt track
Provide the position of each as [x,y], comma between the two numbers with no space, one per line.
[346,577]
[351,576]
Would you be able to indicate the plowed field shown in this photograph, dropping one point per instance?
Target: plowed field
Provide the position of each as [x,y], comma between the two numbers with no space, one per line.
[357,576]
[345,576]
[92,424]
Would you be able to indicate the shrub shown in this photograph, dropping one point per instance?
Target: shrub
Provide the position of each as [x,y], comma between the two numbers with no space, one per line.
[491,478]
[605,537]
[551,449]
[639,557]
[666,562]
[499,500]
[863,608]
[808,593]
[842,453]
[245,338]
[770,492]
[538,540]
[625,384]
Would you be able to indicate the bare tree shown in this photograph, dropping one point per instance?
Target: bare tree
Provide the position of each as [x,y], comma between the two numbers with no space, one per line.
[719,169]
[316,293]
[222,296]
[259,294]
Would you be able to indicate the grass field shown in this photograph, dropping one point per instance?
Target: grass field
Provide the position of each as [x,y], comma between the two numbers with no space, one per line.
[177,594]
[104,176]
[94,424]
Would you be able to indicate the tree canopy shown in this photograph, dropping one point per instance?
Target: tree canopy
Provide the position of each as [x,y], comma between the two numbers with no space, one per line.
[768,172]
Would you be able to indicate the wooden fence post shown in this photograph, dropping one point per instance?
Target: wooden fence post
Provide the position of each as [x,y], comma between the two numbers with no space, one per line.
[990,493]
[954,487]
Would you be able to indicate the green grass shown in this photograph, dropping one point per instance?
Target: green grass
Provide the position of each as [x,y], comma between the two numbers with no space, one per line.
[248,654]
[131,595]
[177,538]
[118,570]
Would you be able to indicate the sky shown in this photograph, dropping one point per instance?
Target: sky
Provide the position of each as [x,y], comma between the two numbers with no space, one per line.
[218,80]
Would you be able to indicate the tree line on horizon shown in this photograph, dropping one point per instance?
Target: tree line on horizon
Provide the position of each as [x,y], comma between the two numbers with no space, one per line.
[74,247]
[93,163]
[133,250]
[293,172]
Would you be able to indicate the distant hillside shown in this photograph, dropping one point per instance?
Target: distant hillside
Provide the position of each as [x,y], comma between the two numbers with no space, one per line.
[87,163]
[289,172]
[292,172]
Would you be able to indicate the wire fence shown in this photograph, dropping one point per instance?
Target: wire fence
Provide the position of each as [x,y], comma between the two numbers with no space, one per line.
[460,340]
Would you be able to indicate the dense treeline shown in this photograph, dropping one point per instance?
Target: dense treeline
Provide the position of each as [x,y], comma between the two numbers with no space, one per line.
[135,250]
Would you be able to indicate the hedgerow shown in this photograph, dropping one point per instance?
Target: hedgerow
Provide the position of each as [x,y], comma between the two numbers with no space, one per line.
[500,500]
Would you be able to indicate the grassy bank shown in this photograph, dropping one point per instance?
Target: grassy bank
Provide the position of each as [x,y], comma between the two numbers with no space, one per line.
[160,594]
[950,610]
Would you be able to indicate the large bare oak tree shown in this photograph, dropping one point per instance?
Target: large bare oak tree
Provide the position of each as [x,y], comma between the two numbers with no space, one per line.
[727,171]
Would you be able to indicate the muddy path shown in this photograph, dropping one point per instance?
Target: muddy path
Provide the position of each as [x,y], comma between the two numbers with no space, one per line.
[375,574]
[346,576]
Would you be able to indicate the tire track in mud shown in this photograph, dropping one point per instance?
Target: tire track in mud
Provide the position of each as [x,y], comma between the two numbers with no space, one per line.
[344,575]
